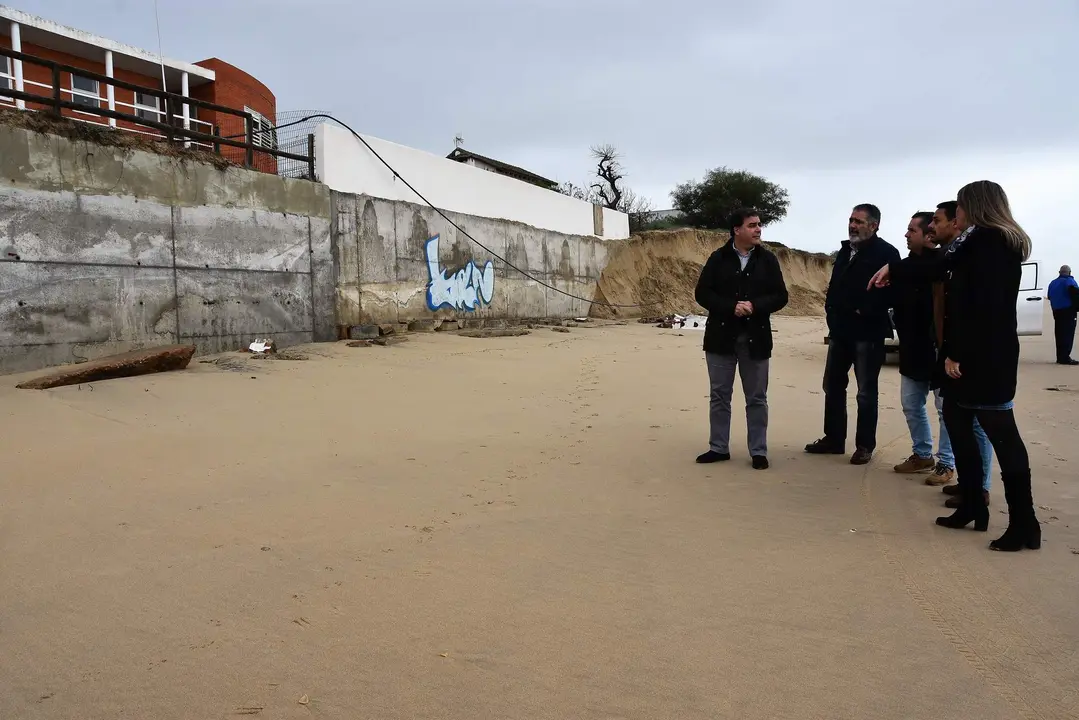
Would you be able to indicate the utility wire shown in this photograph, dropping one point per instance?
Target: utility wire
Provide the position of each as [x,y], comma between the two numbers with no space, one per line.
[160,54]
[460,229]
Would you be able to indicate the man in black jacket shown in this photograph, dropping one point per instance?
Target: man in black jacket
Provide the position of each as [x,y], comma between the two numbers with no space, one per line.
[858,324]
[918,343]
[741,285]
[946,230]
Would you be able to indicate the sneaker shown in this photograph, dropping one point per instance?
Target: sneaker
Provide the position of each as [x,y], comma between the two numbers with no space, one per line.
[825,446]
[712,457]
[760,462]
[861,456]
[915,464]
[942,475]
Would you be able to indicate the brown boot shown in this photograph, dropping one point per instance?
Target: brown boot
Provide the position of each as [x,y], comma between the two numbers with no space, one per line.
[952,489]
[941,476]
[955,501]
[914,464]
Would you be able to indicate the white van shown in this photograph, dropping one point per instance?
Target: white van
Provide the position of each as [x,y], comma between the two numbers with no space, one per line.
[1029,306]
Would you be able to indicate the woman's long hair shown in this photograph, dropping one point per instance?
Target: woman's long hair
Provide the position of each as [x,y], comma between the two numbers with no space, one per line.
[986,205]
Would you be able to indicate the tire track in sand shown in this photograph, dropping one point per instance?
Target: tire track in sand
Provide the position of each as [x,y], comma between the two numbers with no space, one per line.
[940,581]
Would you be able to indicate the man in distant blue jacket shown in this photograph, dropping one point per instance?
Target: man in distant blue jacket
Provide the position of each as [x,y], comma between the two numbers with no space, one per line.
[1064,299]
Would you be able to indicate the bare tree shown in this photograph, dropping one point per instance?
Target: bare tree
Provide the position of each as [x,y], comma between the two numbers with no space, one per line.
[640,209]
[609,189]
[610,173]
[577,192]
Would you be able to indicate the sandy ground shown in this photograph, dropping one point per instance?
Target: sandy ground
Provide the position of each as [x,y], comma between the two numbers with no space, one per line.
[511,528]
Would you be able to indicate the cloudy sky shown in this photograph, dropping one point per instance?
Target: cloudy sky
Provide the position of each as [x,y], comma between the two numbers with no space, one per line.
[892,102]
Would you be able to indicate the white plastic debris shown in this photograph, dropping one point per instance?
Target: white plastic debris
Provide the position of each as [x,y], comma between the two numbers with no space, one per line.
[261,347]
[690,322]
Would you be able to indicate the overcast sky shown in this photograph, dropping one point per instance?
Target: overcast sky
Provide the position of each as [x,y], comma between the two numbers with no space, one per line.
[893,102]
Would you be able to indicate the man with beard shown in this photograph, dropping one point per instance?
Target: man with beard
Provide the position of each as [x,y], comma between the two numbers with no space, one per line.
[945,229]
[858,325]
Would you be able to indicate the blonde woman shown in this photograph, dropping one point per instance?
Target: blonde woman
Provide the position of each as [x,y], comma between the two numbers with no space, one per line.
[980,355]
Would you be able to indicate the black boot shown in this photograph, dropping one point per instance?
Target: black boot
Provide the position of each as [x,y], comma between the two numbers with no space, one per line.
[1024,530]
[973,509]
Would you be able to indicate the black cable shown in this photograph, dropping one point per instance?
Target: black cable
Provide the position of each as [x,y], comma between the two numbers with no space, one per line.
[279,127]
[458,227]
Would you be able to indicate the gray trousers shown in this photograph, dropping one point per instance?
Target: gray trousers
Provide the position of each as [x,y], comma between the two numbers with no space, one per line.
[754,374]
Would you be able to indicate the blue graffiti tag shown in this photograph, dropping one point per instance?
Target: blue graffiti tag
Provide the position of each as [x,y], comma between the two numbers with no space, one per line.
[464,289]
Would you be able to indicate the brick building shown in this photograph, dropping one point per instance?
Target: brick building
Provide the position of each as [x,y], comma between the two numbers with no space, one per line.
[212,80]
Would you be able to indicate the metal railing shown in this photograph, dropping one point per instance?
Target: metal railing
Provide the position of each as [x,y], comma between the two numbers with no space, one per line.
[171,118]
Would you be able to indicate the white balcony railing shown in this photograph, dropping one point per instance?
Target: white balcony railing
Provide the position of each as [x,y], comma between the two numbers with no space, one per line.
[144,111]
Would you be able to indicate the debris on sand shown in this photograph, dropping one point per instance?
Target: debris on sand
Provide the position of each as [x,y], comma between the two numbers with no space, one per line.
[262,347]
[364,332]
[384,341]
[130,364]
[693,322]
[495,332]
[425,325]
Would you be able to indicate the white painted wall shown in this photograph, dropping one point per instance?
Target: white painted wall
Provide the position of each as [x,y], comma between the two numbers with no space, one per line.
[345,165]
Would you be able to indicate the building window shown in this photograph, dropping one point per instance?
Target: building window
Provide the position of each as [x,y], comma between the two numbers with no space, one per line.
[85,91]
[148,107]
[264,134]
[5,77]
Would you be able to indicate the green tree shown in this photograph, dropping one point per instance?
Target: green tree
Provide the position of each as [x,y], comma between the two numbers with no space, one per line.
[709,203]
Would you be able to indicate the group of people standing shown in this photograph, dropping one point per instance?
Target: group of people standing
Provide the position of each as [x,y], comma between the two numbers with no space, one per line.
[952,301]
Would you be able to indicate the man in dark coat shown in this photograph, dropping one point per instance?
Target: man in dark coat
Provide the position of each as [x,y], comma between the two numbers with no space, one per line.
[858,325]
[945,229]
[741,285]
[915,325]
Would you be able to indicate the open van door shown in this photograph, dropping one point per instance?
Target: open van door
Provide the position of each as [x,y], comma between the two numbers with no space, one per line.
[1030,305]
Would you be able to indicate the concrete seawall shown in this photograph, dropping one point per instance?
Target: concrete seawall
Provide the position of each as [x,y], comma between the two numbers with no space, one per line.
[396,261]
[107,249]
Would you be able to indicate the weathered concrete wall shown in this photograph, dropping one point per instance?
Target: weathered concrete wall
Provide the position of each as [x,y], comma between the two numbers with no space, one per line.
[107,250]
[389,267]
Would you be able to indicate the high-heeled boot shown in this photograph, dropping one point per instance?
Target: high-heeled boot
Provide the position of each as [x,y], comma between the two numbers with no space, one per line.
[972,510]
[1024,530]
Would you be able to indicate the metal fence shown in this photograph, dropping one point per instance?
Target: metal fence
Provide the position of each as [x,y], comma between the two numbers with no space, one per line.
[162,116]
[293,134]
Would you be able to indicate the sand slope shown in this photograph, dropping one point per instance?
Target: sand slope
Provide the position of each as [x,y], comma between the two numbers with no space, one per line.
[661,268]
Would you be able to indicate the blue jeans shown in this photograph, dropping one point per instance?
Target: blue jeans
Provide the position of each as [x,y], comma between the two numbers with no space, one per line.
[914,394]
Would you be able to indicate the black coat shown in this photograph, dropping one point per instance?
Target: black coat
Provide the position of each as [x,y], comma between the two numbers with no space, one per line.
[980,318]
[915,325]
[854,313]
[723,284]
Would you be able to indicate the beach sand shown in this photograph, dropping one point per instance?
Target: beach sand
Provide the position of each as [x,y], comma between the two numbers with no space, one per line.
[512,528]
